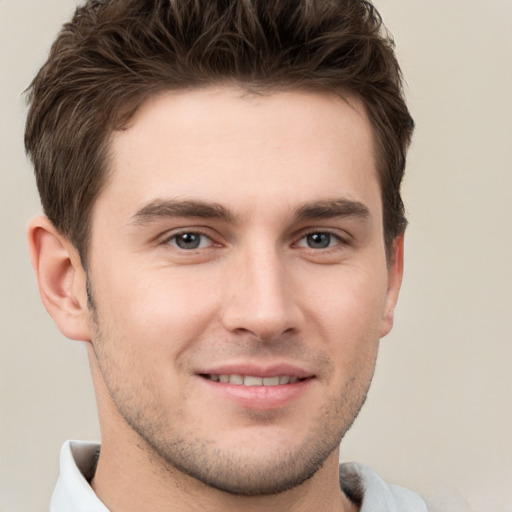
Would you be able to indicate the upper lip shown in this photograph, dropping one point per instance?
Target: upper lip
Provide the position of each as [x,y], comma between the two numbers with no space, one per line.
[258,370]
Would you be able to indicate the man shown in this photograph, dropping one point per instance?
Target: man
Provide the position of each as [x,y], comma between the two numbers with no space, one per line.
[224,229]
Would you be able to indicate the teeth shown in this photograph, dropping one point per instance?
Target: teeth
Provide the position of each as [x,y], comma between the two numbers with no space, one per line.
[250,380]
[253,381]
[271,381]
[236,379]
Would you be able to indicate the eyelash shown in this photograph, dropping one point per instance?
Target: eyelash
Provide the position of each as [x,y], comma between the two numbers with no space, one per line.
[195,232]
[332,237]
[173,240]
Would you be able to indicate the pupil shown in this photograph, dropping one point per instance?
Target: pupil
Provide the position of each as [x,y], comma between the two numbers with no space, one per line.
[188,241]
[319,240]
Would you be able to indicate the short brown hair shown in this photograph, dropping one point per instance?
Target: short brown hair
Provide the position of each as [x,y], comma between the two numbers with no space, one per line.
[114,54]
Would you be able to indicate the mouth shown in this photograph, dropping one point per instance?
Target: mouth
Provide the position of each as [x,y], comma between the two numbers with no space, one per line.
[253,380]
[258,385]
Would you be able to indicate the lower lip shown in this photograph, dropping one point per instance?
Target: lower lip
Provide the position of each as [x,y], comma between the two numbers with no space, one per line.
[260,397]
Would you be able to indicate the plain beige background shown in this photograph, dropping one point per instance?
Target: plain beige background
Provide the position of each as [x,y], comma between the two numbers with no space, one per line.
[439,416]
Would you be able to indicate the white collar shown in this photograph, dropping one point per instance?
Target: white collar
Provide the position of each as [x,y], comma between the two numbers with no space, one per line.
[73,492]
[78,458]
[376,494]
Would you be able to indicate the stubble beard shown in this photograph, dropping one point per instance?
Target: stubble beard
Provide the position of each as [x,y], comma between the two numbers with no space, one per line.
[175,453]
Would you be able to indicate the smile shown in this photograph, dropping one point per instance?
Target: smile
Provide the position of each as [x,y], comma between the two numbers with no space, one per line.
[251,380]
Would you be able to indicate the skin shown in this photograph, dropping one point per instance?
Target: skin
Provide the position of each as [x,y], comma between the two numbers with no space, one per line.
[282,194]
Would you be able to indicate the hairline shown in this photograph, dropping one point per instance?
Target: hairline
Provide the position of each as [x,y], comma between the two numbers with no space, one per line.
[136,102]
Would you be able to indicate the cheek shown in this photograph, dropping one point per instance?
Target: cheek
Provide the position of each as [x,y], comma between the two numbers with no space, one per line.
[352,301]
[159,311]
[348,318]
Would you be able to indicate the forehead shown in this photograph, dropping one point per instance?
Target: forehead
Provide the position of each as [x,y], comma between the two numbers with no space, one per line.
[227,145]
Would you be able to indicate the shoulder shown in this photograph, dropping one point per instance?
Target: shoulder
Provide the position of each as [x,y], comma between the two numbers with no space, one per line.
[363,485]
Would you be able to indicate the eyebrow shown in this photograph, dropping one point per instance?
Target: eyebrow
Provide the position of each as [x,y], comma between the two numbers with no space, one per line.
[163,208]
[329,209]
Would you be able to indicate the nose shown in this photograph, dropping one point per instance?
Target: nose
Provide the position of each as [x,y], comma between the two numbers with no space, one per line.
[259,297]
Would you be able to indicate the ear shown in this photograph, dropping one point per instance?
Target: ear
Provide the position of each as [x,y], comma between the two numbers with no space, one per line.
[61,278]
[395,274]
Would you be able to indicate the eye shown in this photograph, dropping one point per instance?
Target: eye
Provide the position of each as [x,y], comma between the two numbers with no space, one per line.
[319,240]
[189,241]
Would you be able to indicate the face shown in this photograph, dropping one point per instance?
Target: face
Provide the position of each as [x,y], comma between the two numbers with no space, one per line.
[239,283]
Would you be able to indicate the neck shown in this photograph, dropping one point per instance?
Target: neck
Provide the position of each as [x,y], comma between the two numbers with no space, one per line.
[133,480]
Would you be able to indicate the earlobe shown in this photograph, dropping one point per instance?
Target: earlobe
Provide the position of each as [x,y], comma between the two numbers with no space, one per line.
[61,278]
[395,273]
